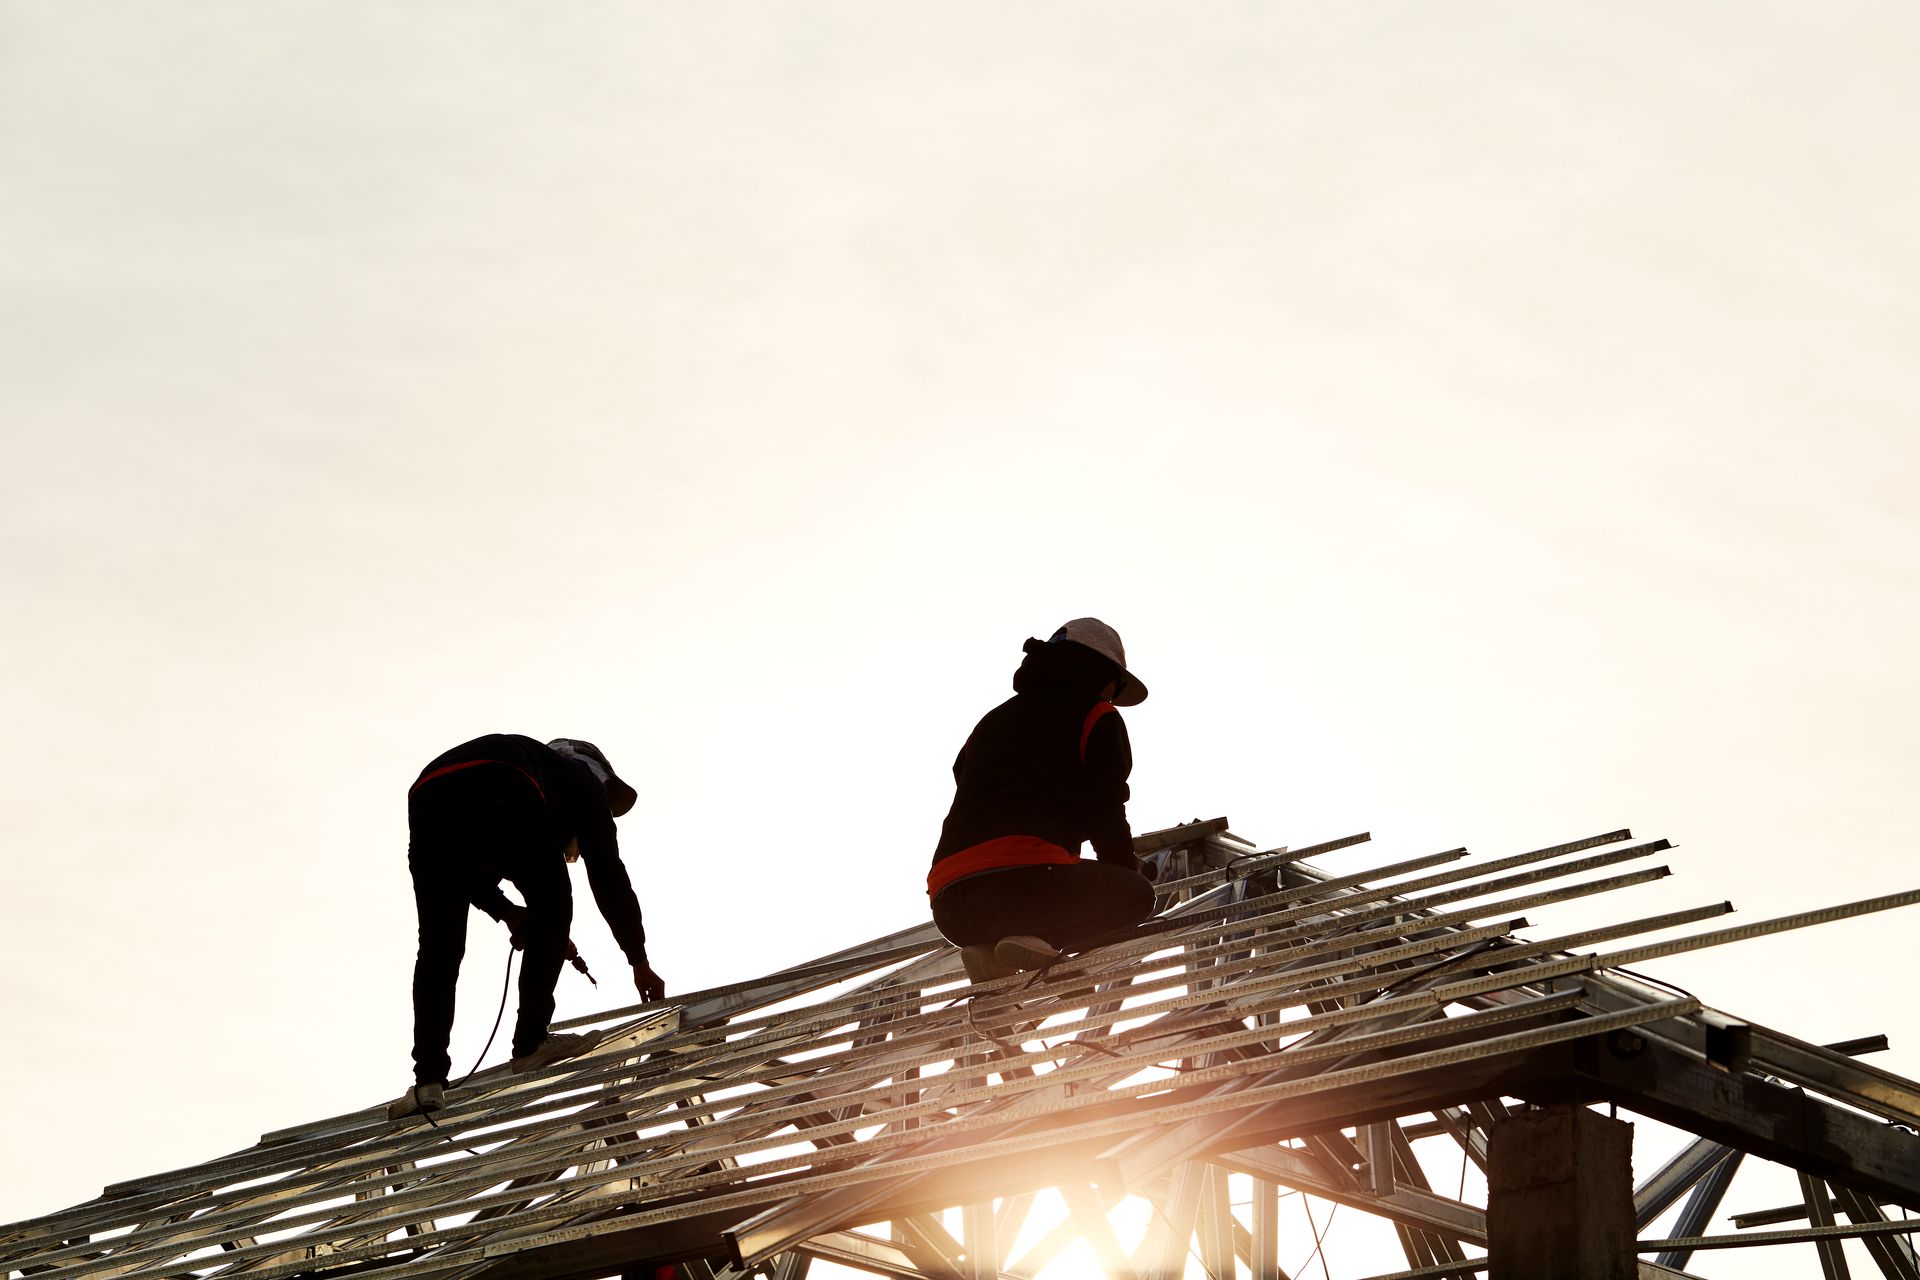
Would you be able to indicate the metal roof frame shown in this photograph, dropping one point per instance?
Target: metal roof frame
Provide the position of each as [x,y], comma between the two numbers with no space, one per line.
[1276,1024]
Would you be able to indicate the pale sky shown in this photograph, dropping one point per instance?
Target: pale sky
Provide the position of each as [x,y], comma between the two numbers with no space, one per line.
[1487,424]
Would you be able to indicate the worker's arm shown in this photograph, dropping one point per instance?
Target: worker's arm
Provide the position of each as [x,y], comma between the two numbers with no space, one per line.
[606,873]
[1109,761]
[614,893]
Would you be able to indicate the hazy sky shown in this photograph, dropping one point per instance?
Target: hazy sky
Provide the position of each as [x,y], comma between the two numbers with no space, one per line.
[1486,424]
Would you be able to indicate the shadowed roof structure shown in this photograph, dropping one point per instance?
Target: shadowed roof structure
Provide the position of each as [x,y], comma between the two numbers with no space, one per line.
[1276,1027]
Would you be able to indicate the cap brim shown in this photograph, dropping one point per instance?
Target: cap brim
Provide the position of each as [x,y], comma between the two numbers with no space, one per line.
[620,797]
[1132,693]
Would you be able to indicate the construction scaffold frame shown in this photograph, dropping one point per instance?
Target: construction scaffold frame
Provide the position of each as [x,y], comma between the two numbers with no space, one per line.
[1275,1025]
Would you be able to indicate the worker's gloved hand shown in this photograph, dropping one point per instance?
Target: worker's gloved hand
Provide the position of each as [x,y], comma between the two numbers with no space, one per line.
[515,918]
[650,984]
[1151,870]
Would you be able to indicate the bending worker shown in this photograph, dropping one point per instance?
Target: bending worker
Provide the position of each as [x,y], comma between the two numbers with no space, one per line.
[506,807]
[1041,773]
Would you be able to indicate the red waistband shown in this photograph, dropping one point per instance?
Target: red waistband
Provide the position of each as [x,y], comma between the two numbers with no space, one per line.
[995,855]
[446,769]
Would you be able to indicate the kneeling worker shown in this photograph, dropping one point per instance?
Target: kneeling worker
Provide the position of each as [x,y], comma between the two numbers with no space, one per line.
[1041,773]
[507,807]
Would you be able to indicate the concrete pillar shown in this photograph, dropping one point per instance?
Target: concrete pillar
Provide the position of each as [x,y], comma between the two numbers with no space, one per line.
[1560,1197]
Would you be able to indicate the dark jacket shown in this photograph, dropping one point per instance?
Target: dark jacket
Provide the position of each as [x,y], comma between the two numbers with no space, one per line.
[1023,770]
[573,807]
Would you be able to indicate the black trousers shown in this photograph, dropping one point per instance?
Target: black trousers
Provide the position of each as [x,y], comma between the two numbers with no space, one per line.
[1071,905]
[467,832]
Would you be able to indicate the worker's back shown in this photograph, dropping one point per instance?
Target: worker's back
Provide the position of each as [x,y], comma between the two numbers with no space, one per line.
[1033,766]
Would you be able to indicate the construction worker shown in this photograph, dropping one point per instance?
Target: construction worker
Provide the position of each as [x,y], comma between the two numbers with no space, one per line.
[507,807]
[1042,772]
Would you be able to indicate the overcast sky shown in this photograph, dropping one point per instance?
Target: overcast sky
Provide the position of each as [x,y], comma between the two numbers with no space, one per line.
[1487,424]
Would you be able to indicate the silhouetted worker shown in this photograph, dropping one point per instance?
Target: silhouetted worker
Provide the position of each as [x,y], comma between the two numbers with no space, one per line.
[506,807]
[1042,772]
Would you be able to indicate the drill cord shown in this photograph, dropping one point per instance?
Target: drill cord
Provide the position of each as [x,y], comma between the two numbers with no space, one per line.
[506,984]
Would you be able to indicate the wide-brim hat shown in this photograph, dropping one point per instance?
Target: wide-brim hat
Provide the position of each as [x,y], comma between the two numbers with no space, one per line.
[620,796]
[1091,633]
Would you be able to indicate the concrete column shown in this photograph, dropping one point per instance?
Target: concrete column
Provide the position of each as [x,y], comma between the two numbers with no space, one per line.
[1560,1197]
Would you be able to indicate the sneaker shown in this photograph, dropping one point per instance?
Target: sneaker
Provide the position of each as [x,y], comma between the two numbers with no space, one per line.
[552,1049]
[1024,951]
[981,966]
[418,1100]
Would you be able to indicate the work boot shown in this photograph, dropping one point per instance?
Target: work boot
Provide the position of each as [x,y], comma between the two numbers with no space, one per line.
[418,1100]
[981,966]
[1023,951]
[552,1049]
